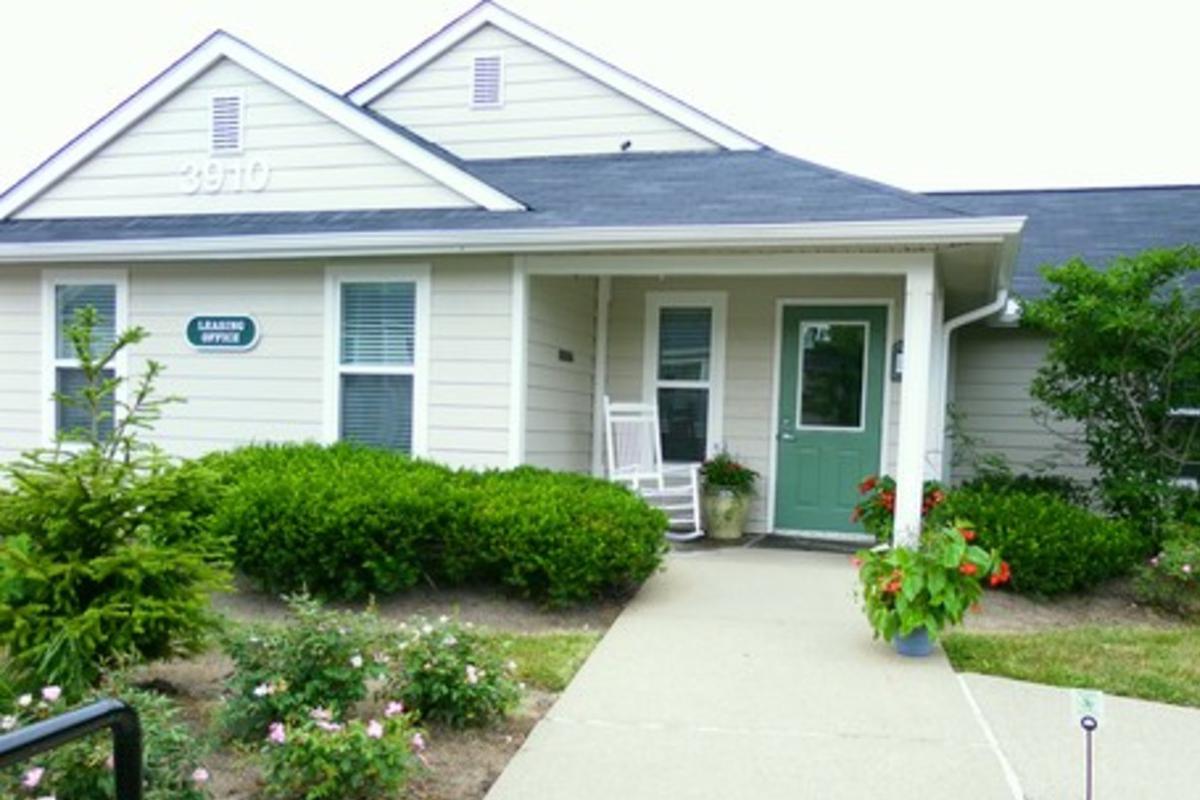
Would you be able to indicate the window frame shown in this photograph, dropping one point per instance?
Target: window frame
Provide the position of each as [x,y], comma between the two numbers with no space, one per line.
[864,388]
[51,363]
[335,277]
[717,303]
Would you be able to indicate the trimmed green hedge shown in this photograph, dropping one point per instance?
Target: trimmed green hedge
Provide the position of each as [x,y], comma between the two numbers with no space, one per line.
[345,522]
[1052,545]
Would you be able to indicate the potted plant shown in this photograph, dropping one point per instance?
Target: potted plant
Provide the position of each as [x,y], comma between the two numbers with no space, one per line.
[911,595]
[728,487]
[877,508]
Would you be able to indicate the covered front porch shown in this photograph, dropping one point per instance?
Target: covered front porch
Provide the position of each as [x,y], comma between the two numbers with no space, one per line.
[815,369]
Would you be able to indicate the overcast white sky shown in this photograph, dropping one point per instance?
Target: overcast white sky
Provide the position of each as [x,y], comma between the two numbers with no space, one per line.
[926,94]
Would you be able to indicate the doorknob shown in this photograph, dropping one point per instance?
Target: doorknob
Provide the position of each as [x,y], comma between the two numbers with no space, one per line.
[787,436]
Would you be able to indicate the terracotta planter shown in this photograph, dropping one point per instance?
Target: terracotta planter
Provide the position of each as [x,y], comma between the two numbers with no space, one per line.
[725,513]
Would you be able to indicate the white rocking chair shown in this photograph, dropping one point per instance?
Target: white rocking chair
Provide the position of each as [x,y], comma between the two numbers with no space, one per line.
[634,443]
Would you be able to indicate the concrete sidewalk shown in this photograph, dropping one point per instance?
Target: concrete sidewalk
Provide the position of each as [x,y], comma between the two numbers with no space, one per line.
[752,674]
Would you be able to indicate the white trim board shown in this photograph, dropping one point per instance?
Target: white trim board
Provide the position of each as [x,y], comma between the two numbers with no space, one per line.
[781,303]
[488,13]
[222,45]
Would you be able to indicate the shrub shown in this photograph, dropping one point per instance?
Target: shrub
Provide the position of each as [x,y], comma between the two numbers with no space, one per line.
[342,521]
[929,587]
[1171,579]
[1053,545]
[447,674]
[346,522]
[171,758]
[320,659]
[104,550]
[321,759]
[557,537]
[1067,489]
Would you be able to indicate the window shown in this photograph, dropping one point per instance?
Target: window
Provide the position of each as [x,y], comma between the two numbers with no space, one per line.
[378,381]
[833,368]
[487,82]
[685,347]
[226,112]
[66,378]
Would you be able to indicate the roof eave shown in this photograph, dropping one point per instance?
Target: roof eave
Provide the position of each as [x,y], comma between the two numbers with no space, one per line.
[1000,231]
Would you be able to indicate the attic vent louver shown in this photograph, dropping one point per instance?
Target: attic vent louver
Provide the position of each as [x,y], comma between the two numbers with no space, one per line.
[486,82]
[225,124]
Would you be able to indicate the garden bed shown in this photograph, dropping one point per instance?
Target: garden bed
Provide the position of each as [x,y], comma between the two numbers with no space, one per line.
[548,646]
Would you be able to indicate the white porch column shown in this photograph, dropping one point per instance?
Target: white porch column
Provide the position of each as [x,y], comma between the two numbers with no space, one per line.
[915,397]
[600,378]
[935,434]
[519,362]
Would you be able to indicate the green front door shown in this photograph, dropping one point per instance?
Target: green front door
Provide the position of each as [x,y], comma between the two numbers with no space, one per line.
[830,413]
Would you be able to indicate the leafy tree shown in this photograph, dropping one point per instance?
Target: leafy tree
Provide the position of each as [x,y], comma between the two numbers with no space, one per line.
[1124,358]
[104,549]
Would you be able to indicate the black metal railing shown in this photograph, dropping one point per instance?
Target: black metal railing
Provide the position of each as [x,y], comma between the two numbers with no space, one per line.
[39,737]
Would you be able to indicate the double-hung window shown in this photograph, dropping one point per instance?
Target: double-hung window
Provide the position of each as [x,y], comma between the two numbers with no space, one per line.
[379,345]
[685,345]
[68,414]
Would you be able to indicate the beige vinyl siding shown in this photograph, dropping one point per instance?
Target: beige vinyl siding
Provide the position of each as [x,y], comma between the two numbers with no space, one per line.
[21,400]
[270,393]
[559,402]
[993,368]
[470,361]
[750,354]
[315,163]
[549,108]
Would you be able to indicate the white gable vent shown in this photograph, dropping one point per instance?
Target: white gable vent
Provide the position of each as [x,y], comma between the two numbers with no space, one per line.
[487,81]
[226,118]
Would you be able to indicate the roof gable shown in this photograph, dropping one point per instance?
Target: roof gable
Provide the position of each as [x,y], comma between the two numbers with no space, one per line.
[555,93]
[398,172]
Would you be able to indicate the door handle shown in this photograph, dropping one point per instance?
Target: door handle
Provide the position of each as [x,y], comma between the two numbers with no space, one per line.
[787,436]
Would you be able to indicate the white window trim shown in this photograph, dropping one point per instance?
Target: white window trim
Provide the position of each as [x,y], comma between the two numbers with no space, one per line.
[335,276]
[866,385]
[50,360]
[718,303]
[471,103]
[241,97]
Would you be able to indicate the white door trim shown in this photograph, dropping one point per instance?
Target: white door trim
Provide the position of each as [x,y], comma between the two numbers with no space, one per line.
[781,303]
[718,302]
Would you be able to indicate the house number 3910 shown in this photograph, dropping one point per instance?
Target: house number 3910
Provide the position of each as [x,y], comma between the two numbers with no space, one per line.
[213,177]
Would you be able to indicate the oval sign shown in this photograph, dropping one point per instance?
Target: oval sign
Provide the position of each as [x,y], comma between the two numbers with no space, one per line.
[222,332]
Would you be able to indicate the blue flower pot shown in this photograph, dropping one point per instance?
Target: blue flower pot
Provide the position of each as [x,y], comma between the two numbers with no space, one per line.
[915,644]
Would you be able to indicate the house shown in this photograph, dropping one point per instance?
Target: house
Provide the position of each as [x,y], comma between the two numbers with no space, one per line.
[461,256]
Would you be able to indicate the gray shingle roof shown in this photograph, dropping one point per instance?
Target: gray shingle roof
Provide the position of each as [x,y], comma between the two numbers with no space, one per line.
[1095,224]
[712,188]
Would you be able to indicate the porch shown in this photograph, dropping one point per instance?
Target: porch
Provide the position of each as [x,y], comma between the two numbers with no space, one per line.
[813,369]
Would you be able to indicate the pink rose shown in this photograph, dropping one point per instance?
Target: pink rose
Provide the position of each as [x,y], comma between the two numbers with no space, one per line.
[51,693]
[33,777]
[394,708]
[200,775]
[276,733]
[375,729]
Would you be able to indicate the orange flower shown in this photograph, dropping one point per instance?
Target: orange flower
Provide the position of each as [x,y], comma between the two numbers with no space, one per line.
[1001,576]
[968,534]
[967,568]
[868,483]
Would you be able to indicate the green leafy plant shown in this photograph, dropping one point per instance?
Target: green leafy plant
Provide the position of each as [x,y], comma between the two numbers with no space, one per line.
[723,471]
[172,756]
[318,659]
[346,522]
[929,587]
[448,674]
[320,759]
[1170,580]
[1053,545]
[1124,354]
[876,510]
[104,551]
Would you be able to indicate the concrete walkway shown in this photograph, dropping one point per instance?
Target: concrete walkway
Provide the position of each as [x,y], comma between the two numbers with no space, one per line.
[752,674]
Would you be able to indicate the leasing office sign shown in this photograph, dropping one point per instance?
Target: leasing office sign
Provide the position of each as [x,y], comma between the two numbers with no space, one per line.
[222,332]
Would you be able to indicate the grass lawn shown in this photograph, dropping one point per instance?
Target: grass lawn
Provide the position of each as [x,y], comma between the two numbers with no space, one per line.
[546,661]
[1148,663]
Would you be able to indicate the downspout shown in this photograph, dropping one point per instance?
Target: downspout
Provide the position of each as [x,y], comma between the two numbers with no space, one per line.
[949,327]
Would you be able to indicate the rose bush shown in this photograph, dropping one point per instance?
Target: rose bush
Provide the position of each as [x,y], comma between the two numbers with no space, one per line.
[1170,580]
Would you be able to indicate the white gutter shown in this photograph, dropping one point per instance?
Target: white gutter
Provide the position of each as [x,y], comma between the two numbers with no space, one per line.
[966,230]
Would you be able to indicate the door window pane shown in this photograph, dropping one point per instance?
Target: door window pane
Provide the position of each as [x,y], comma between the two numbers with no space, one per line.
[683,415]
[378,323]
[377,410]
[684,344]
[72,298]
[75,417]
[832,357]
